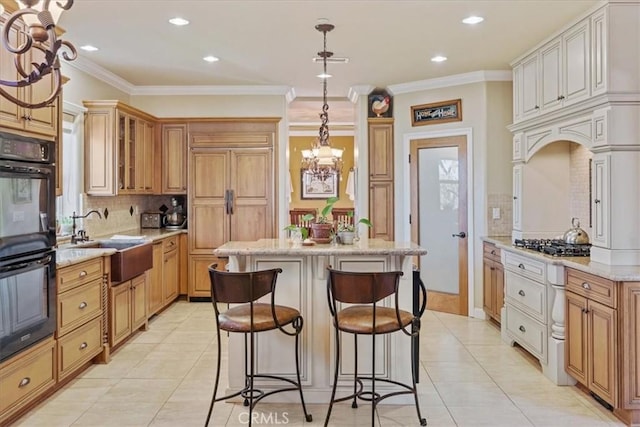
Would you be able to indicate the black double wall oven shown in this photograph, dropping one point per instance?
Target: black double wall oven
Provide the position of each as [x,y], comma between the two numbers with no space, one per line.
[27,243]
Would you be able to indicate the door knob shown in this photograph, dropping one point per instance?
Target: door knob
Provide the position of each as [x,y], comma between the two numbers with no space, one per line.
[461,235]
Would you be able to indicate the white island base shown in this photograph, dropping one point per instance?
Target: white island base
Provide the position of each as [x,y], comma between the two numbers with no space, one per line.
[303,285]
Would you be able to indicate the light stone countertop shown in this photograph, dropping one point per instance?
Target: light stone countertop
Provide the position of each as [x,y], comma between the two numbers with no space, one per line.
[618,273]
[286,247]
[69,254]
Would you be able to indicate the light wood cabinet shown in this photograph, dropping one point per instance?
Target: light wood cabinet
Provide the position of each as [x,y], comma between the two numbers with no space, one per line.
[592,334]
[26,377]
[154,280]
[231,190]
[174,159]
[119,150]
[493,282]
[127,309]
[41,121]
[163,279]
[81,311]
[381,174]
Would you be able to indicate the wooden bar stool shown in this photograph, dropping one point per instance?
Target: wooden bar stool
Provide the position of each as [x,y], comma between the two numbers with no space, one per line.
[368,317]
[250,318]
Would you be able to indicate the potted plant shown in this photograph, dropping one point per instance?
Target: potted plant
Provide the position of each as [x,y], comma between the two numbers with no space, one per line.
[347,231]
[321,228]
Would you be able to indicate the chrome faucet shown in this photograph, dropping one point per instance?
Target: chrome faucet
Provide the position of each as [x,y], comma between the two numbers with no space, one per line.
[82,234]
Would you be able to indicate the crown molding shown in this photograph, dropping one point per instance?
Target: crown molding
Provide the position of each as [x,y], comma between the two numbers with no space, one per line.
[356,91]
[210,90]
[455,80]
[91,68]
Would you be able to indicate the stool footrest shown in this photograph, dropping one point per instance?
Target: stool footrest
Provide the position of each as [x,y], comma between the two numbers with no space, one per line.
[377,397]
[259,394]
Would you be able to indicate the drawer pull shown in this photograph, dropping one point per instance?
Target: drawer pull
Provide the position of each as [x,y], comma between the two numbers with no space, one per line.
[522,329]
[521,292]
[493,251]
[586,285]
[521,265]
[84,345]
[83,305]
[24,382]
[82,273]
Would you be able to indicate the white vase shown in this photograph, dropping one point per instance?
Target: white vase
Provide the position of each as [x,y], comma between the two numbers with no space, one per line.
[346,237]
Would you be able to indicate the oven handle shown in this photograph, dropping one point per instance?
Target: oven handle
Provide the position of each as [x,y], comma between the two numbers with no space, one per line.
[29,169]
[22,265]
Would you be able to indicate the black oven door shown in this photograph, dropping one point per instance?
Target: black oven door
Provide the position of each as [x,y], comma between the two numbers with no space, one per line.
[27,302]
[27,208]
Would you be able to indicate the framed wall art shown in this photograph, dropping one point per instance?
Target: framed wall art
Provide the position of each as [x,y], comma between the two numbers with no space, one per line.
[313,187]
[437,112]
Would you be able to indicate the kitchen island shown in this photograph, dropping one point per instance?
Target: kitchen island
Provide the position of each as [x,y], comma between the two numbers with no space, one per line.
[303,285]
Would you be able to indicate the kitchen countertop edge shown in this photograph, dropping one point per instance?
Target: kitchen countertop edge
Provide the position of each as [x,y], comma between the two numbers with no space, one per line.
[618,273]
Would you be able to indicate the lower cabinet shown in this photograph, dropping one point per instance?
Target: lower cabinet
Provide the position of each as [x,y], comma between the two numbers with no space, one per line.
[26,377]
[81,299]
[592,334]
[199,282]
[127,308]
[493,282]
[163,280]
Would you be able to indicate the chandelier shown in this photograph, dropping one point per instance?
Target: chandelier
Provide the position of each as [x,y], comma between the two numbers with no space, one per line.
[41,17]
[321,160]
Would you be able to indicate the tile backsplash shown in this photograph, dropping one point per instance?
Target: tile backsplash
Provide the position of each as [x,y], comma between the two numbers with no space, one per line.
[119,218]
[503,225]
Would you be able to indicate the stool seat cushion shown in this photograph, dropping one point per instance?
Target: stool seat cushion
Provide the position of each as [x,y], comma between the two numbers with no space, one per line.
[238,319]
[358,319]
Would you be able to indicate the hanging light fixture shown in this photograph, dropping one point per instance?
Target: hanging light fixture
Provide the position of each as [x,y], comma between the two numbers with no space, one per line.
[321,160]
[41,17]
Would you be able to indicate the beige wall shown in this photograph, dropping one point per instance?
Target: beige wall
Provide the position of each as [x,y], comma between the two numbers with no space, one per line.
[298,143]
[83,87]
[486,111]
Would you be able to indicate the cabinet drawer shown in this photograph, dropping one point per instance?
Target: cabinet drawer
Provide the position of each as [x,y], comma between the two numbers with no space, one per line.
[526,294]
[528,267]
[76,275]
[592,287]
[491,251]
[79,305]
[170,243]
[32,373]
[527,332]
[79,346]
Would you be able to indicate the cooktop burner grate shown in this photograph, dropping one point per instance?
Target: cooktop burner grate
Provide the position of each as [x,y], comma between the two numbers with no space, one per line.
[554,247]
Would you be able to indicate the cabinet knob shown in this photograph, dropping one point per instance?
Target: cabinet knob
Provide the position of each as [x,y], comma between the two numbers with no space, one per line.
[521,293]
[584,310]
[83,345]
[585,285]
[521,265]
[82,273]
[24,382]
[492,268]
[522,329]
[560,97]
[493,252]
[537,107]
[515,197]
[82,305]
[596,201]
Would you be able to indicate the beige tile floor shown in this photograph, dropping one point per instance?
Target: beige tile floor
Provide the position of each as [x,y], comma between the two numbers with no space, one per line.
[164,376]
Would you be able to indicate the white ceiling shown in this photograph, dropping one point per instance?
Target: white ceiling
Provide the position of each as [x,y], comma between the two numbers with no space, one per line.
[271,43]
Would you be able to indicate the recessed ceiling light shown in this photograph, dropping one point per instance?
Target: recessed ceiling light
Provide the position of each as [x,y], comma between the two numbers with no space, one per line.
[179,21]
[324,75]
[89,48]
[471,20]
[439,58]
[211,58]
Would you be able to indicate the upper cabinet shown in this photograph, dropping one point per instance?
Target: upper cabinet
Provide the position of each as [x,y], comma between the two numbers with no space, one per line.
[119,150]
[555,75]
[40,121]
[174,159]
